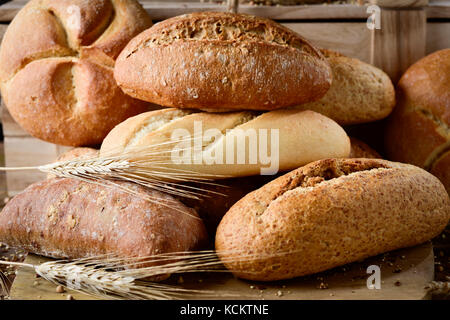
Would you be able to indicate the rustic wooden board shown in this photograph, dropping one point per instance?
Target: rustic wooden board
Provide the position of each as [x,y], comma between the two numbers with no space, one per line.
[438,36]
[349,38]
[400,42]
[24,152]
[416,264]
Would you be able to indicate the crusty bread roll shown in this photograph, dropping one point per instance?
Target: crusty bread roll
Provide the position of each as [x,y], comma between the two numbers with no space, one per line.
[222,61]
[75,153]
[329,213]
[56,68]
[303,137]
[360,149]
[69,218]
[359,93]
[418,131]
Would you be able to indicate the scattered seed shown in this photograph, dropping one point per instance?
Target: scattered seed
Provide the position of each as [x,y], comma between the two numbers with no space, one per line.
[279,293]
[70,297]
[323,285]
[397,283]
[60,289]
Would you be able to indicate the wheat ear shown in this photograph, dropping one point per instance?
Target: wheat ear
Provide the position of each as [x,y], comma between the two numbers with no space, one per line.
[93,276]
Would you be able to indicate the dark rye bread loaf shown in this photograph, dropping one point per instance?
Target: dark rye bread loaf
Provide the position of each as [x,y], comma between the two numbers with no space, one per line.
[330,213]
[68,218]
[222,61]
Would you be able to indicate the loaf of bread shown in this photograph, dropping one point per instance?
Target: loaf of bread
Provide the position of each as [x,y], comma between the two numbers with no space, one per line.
[418,131]
[222,61]
[225,145]
[57,68]
[330,213]
[67,218]
[359,93]
[360,149]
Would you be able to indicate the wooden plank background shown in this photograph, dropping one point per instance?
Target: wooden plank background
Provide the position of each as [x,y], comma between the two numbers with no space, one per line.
[160,10]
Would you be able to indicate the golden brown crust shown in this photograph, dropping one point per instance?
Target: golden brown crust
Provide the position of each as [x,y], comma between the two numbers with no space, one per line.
[67,218]
[441,169]
[360,149]
[56,68]
[303,137]
[221,61]
[418,131]
[78,153]
[329,213]
[359,93]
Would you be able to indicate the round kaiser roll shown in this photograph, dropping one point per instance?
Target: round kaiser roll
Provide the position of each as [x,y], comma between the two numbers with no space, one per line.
[360,92]
[330,213]
[418,131]
[57,68]
[222,61]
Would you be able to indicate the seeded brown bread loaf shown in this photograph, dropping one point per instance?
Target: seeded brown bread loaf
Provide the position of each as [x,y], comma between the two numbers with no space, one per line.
[155,137]
[418,131]
[329,213]
[222,61]
[359,93]
[56,68]
[67,218]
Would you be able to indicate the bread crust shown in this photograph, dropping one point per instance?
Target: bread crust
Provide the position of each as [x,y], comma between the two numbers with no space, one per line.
[56,68]
[360,149]
[221,62]
[418,131]
[329,213]
[304,136]
[67,218]
[359,93]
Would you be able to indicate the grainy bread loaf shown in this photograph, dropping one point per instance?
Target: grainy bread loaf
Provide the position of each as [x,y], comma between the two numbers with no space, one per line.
[66,218]
[359,93]
[222,61]
[360,149]
[304,136]
[329,213]
[418,131]
[56,68]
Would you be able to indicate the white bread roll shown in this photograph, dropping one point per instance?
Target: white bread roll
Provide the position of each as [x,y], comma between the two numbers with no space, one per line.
[279,140]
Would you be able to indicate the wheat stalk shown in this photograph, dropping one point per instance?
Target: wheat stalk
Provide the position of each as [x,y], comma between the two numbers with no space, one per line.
[145,166]
[122,278]
[114,277]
